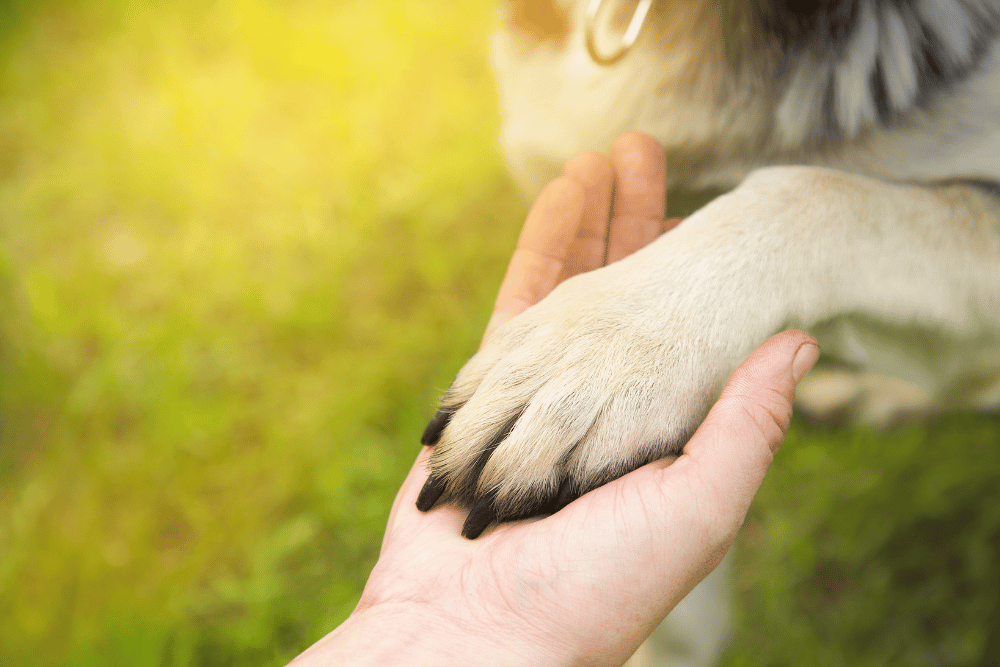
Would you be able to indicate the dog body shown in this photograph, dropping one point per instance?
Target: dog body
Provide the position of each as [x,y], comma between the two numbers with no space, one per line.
[860,100]
[862,142]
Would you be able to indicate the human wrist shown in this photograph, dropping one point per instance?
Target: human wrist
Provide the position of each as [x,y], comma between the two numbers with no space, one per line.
[409,634]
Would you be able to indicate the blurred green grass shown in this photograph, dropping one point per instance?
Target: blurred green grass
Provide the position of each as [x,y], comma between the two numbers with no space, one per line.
[243,246]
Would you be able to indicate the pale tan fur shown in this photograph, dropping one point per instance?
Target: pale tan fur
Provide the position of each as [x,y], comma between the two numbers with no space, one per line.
[863,243]
[698,98]
[634,353]
[717,119]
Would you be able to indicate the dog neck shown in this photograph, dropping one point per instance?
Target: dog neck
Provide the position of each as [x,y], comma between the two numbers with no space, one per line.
[883,88]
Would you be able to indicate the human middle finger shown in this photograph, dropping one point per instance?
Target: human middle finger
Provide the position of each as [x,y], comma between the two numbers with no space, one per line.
[588,249]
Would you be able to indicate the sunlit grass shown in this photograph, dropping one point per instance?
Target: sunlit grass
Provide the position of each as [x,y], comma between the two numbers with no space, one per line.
[243,245]
[239,241]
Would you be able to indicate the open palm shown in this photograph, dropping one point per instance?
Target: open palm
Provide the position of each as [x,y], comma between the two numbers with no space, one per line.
[587,584]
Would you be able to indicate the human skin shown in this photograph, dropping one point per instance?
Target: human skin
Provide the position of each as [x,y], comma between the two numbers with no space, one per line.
[584,586]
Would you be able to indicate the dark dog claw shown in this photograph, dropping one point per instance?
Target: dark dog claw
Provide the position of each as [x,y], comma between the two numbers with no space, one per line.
[433,488]
[567,494]
[433,431]
[482,515]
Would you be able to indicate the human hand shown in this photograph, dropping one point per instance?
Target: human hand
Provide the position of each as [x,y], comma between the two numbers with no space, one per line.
[587,584]
[568,230]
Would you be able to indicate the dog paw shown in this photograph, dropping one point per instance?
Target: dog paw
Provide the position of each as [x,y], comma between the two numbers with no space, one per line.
[580,389]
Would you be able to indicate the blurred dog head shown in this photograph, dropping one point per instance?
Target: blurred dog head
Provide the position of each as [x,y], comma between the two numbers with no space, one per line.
[726,86]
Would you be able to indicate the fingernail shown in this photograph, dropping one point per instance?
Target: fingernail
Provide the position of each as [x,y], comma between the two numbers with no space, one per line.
[804,360]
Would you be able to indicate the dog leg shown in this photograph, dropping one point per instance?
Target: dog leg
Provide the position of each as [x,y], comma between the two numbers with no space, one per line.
[837,395]
[697,631]
[616,367]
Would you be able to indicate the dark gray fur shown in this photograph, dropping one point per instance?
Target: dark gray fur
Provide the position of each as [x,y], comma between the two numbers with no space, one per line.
[779,35]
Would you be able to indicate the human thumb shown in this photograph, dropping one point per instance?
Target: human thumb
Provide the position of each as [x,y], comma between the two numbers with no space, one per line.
[671,523]
[733,447]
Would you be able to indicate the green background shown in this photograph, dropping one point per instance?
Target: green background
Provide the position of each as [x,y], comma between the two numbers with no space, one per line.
[243,247]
